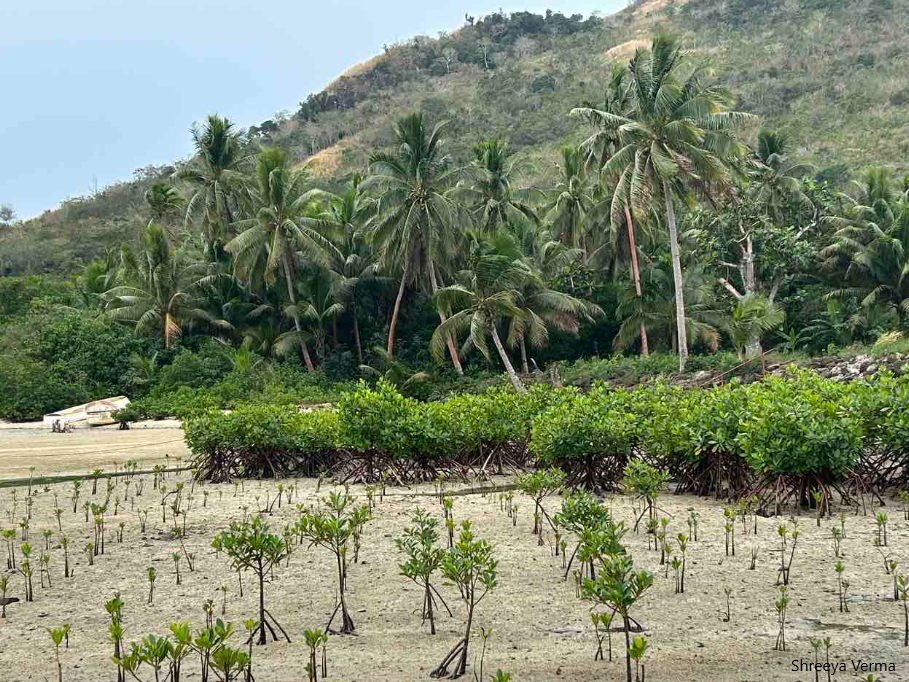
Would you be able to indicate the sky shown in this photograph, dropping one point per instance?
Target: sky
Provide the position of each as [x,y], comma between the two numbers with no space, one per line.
[91,90]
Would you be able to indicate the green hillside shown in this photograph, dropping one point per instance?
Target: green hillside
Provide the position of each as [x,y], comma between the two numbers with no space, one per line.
[829,73]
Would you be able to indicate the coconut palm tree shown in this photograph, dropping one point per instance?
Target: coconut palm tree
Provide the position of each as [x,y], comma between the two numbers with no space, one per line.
[753,316]
[351,261]
[156,297]
[574,201]
[268,243]
[165,204]
[678,136]
[656,307]
[486,293]
[416,222]
[214,173]
[491,198]
[776,183]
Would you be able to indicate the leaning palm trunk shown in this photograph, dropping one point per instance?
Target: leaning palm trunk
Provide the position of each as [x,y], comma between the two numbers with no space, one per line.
[390,349]
[677,278]
[524,364]
[293,302]
[356,329]
[455,359]
[636,274]
[509,370]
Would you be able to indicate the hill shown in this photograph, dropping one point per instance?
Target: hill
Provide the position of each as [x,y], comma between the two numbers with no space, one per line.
[828,73]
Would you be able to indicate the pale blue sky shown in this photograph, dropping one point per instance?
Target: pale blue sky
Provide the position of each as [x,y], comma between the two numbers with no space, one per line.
[94,89]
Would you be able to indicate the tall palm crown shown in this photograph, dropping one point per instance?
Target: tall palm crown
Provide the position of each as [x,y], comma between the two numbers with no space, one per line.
[491,198]
[574,200]
[775,181]
[164,202]
[157,296]
[415,219]
[678,135]
[268,243]
[214,173]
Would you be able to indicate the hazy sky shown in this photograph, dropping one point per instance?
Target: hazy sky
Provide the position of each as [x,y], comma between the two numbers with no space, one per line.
[91,90]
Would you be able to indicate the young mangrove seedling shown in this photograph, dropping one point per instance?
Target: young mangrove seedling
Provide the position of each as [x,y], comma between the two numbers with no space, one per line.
[837,541]
[152,575]
[250,546]
[840,567]
[57,636]
[728,592]
[781,605]
[423,559]
[816,648]
[604,619]
[25,567]
[638,649]
[538,486]
[4,586]
[881,520]
[645,483]
[618,587]
[471,567]
[729,527]
[315,639]
[176,559]
[903,588]
[693,519]
[332,529]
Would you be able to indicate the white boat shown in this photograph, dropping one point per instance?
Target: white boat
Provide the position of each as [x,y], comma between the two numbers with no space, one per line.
[96,413]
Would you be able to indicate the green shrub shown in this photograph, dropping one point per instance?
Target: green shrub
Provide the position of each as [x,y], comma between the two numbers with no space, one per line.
[589,437]
[794,427]
[32,389]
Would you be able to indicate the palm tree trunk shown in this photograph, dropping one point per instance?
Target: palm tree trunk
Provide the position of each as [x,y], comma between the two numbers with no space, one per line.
[455,359]
[636,274]
[293,300]
[677,277]
[524,364]
[509,370]
[356,327]
[390,347]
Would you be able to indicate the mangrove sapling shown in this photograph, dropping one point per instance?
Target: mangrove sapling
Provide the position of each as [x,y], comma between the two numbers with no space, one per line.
[96,474]
[604,619]
[470,566]
[619,587]
[827,644]
[837,540]
[4,586]
[46,533]
[514,515]
[676,566]
[816,648]
[903,594]
[638,649]
[840,567]
[683,548]
[152,575]
[728,592]
[223,589]
[64,543]
[90,552]
[423,559]
[315,639]
[729,527]
[250,546]
[652,533]
[25,568]
[885,556]
[176,559]
[114,609]
[581,514]
[332,529]
[896,593]
[645,483]
[57,636]
[693,519]
[781,605]
[881,520]
[9,536]
[538,486]
[485,633]
[179,650]
[44,566]
[59,513]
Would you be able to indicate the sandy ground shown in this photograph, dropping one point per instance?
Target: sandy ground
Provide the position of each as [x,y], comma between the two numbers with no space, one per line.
[541,631]
[24,446]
